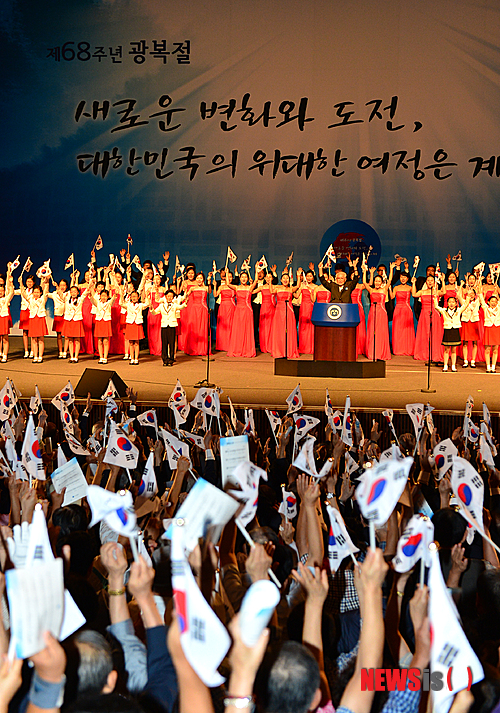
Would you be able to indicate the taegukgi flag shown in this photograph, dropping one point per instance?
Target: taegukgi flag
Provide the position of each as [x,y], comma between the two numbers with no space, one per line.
[340,544]
[414,543]
[451,654]
[380,488]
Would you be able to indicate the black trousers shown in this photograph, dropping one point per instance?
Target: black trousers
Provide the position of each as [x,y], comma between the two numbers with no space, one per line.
[168,344]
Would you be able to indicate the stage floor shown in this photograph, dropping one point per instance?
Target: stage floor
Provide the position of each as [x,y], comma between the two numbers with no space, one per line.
[251,382]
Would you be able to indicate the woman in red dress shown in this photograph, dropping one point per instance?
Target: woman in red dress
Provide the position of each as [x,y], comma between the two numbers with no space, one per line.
[378,324]
[403,326]
[225,314]
[426,295]
[361,328]
[195,327]
[242,340]
[266,316]
[306,288]
[284,329]
[186,317]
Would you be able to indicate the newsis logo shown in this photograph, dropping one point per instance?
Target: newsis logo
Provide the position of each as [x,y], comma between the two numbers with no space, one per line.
[396,679]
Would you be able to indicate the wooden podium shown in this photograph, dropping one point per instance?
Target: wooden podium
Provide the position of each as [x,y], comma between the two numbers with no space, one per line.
[334,347]
[335,331]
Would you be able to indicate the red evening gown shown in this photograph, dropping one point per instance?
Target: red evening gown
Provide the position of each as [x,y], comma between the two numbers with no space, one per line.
[267,310]
[377,318]
[422,338]
[323,296]
[242,341]
[284,319]
[361,328]
[403,328]
[154,325]
[306,327]
[184,320]
[87,342]
[225,319]
[196,327]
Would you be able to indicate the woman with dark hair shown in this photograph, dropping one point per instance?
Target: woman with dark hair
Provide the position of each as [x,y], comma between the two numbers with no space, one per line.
[195,326]
[403,327]
[186,315]
[284,329]
[307,291]
[242,340]
[225,313]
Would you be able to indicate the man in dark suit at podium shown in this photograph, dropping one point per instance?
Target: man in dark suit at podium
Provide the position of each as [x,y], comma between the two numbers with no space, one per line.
[340,288]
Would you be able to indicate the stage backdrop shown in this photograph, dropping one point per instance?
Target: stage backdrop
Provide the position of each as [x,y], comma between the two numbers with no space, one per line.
[260,125]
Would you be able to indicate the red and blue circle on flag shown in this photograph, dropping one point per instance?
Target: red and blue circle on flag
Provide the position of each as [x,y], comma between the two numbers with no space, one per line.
[6,401]
[150,417]
[465,493]
[122,515]
[440,460]
[142,487]
[295,400]
[65,396]
[376,490]
[301,423]
[181,610]
[337,422]
[124,444]
[331,538]
[411,545]
[35,449]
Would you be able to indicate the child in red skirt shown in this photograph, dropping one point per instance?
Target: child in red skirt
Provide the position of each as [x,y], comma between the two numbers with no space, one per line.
[59,298]
[102,329]
[37,319]
[24,317]
[133,324]
[73,321]
[470,322]
[6,295]
[491,331]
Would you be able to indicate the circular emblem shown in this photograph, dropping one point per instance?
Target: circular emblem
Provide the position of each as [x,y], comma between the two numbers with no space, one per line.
[334,311]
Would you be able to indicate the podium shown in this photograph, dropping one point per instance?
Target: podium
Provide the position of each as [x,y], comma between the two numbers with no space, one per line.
[335,331]
[334,347]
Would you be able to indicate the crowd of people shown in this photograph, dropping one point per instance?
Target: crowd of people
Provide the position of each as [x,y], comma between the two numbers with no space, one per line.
[114,308]
[334,620]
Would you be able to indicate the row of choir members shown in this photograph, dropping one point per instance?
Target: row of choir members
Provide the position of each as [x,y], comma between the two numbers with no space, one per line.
[85,313]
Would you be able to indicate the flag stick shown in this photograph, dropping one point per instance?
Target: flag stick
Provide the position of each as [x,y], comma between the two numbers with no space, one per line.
[30,479]
[128,473]
[133,547]
[356,563]
[422,571]
[242,529]
[373,544]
